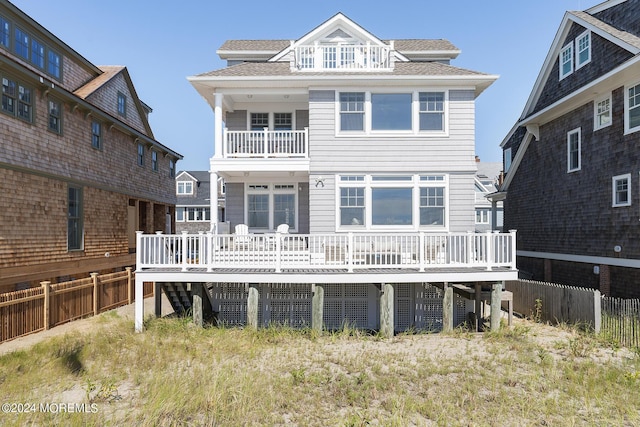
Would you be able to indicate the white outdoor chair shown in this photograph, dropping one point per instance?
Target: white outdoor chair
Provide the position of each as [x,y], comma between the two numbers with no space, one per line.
[242,237]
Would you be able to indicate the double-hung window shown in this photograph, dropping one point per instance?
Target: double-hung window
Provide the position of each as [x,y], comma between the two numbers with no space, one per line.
[583,49]
[5,32]
[55,116]
[282,121]
[352,202]
[602,112]
[96,135]
[574,149]
[431,111]
[621,190]
[37,53]
[632,108]
[17,99]
[432,206]
[140,154]
[74,222]
[154,160]
[185,187]
[259,121]
[352,111]
[566,61]
[122,104]
[22,44]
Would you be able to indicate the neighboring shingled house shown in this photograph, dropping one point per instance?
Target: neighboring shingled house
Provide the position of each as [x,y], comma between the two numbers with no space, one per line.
[80,169]
[193,202]
[572,184]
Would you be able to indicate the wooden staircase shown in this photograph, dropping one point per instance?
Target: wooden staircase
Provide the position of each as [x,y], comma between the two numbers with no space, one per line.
[179,295]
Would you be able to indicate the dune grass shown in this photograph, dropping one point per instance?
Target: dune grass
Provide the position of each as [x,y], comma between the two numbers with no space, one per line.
[178,374]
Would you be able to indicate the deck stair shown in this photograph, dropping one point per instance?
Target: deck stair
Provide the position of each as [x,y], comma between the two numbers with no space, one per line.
[179,295]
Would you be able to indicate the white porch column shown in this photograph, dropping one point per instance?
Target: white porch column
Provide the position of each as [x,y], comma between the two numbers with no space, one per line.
[218,131]
[213,201]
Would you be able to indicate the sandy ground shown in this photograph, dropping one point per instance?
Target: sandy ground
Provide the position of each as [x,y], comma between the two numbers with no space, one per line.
[82,325]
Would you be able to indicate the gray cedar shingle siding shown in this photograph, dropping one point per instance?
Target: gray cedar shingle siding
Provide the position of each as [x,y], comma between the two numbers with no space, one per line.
[605,56]
[624,16]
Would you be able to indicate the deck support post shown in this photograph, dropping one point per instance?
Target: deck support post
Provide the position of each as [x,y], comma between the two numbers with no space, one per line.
[157,299]
[447,308]
[386,310]
[252,306]
[139,304]
[197,295]
[317,307]
[496,306]
[478,307]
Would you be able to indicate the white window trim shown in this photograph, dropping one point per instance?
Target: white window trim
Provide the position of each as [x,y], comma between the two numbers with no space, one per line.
[560,63]
[415,114]
[415,183]
[507,159]
[627,129]
[184,193]
[485,216]
[579,65]
[271,190]
[603,98]
[271,115]
[577,131]
[614,180]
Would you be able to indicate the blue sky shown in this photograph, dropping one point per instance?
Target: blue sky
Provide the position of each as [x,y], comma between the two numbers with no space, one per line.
[163,43]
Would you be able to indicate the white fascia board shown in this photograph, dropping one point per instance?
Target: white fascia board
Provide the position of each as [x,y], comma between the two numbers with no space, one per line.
[186,173]
[604,6]
[587,259]
[613,79]
[547,65]
[515,163]
[554,51]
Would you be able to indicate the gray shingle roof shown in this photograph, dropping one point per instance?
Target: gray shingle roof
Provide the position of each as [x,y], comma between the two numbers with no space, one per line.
[627,37]
[283,69]
[275,46]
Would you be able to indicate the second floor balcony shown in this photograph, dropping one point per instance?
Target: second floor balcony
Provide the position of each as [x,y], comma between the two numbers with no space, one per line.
[266,143]
[347,57]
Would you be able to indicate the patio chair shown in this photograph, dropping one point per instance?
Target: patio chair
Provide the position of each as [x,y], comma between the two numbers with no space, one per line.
[242,236]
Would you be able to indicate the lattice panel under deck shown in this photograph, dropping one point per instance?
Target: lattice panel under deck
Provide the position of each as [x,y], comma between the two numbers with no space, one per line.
[289,304]
[403,306]
[230,301]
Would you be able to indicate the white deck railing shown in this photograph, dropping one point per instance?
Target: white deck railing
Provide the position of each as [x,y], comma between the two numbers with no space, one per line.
[350,252]
[342,57]
[266,143]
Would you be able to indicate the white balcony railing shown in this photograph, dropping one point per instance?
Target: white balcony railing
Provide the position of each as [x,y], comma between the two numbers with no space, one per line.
[266,143]
[349,252]
[342,57]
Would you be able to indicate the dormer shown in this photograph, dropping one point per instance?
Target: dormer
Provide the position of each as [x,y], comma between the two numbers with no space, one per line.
[339,45]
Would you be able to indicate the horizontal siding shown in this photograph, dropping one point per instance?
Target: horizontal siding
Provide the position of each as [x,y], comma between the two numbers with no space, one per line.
[378,153]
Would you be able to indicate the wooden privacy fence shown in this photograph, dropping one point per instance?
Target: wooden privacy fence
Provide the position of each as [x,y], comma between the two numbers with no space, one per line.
[553,303]
[36,309]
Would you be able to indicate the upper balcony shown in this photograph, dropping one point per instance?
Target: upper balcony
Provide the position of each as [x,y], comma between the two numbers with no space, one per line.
[350,57]
[265,143]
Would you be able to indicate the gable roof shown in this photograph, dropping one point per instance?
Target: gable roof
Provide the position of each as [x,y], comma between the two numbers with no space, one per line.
[109,72]
[621,38]
[531,120]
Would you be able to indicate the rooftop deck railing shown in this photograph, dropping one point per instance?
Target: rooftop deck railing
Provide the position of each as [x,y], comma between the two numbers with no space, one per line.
[348,251]
[266,143]
[356,57]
